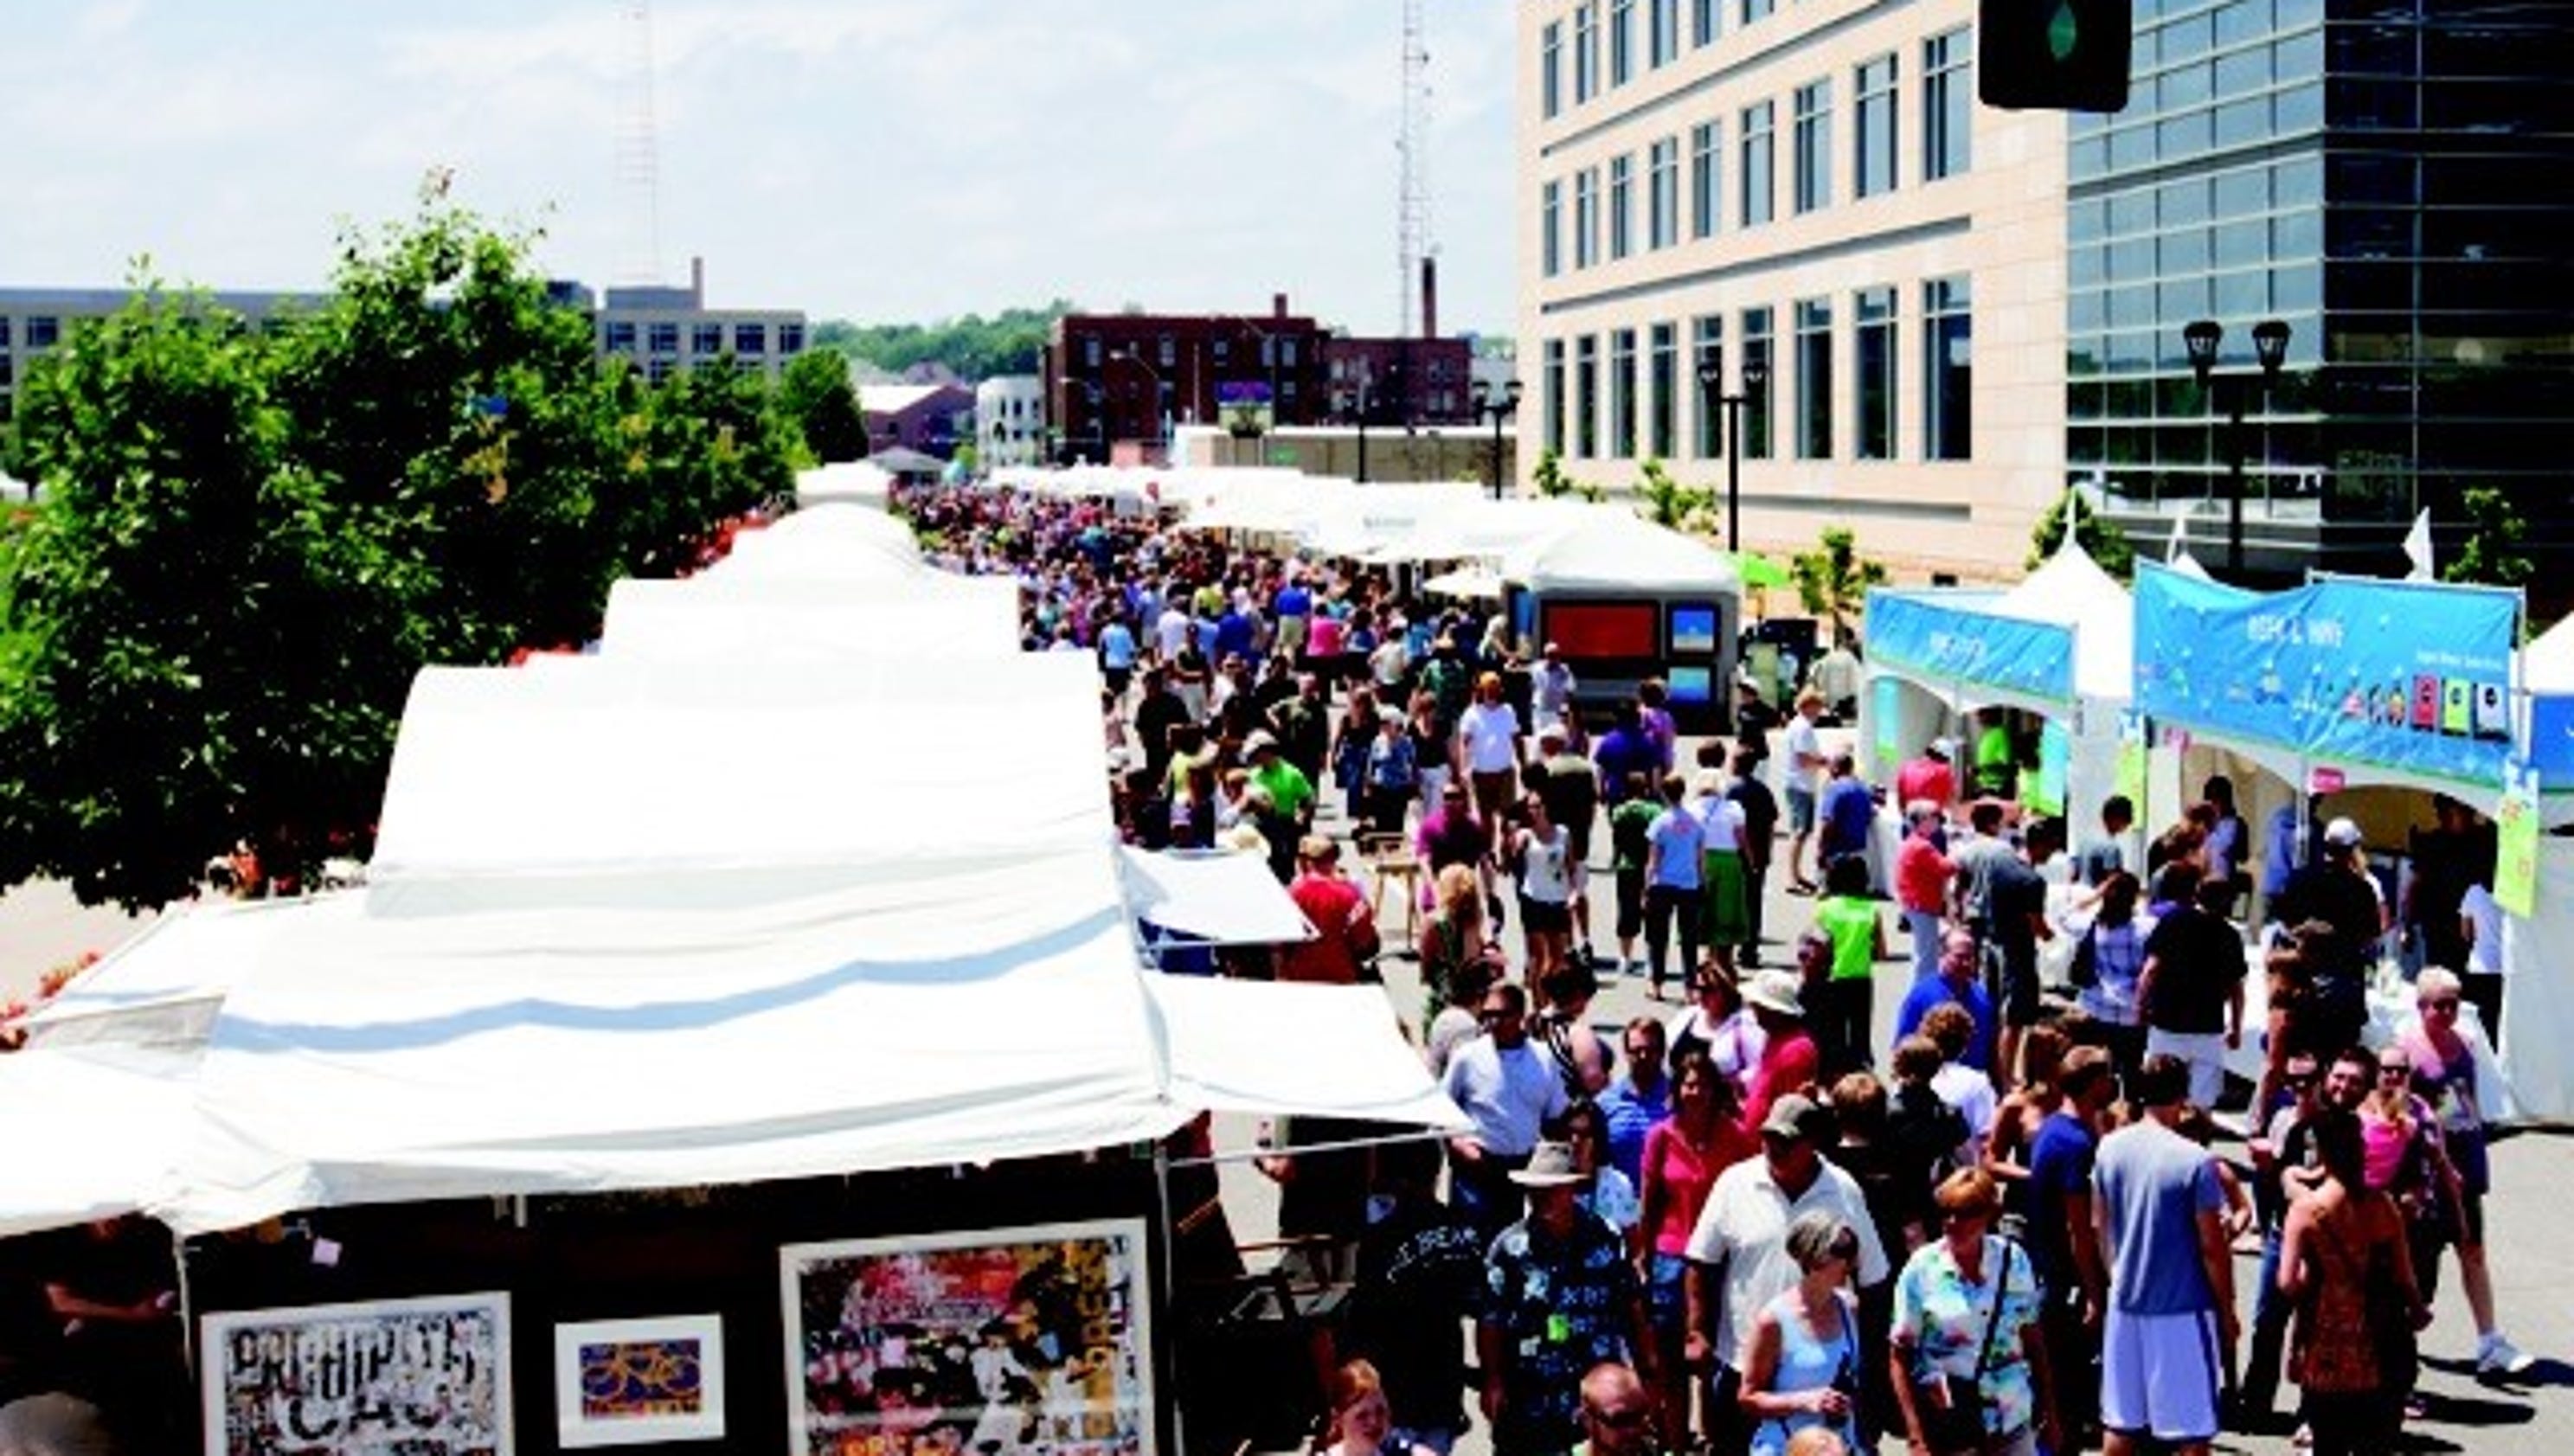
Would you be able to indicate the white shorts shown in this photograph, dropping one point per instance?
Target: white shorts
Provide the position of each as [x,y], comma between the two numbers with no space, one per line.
[2205,1053]
[2159,1376]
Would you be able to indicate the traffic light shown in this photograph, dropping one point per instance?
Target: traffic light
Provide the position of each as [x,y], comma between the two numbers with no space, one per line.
[2053,54]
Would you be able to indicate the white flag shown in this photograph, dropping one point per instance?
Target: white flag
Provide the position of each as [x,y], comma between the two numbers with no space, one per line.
[2417,548]
[2180,530]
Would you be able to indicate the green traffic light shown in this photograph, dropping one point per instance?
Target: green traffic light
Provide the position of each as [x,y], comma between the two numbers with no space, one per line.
[2063,32]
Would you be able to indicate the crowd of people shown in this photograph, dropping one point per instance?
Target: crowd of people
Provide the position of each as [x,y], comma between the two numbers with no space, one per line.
[2003,1227]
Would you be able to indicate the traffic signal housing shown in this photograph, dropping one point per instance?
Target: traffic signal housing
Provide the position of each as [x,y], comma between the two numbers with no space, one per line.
[2053,55]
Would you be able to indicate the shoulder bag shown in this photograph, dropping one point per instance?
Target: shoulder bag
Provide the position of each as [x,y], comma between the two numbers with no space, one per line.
[1953,1406]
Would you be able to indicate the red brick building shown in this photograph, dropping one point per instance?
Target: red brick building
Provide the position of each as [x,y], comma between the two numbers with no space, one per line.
[1130,377]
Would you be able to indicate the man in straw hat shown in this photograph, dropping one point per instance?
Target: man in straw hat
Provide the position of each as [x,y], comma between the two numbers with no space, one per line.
[1560,1297]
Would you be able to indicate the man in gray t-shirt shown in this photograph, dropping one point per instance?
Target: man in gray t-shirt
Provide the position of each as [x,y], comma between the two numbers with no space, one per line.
[2172,1318]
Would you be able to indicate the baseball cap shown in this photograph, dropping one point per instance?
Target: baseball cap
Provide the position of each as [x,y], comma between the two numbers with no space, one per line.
[2343,834]
[1795,1115]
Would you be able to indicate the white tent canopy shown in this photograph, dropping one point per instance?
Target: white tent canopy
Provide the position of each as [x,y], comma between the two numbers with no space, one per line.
[2071,589]
[1223,899]
[89,1136]
[804,621]
[2547,664]
[1253,1046]
[854,481]
[1607,550]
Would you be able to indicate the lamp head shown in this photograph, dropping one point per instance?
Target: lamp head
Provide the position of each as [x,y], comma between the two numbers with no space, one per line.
[1511,393]
[2270,344]
[1754,375]
[1711,369]
[1481,392]
[2200,338]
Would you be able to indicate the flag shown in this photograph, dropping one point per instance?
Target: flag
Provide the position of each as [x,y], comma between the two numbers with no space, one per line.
[2417,548]
[2181,533]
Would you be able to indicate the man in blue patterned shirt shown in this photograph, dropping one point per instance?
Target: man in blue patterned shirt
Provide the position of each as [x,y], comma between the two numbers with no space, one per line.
[1560,1297]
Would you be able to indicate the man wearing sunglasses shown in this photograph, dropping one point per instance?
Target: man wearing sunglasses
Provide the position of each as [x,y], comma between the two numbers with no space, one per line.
[1617,1413]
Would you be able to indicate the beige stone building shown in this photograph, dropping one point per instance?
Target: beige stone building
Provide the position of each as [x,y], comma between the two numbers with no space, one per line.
[1807,187]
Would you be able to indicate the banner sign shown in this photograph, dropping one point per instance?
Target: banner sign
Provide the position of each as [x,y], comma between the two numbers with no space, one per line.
[2132,760]
[398,1377]
[2551,743]
[2397,674]
[1930,639]
[2054,767]
[1887,708]
[2516,828]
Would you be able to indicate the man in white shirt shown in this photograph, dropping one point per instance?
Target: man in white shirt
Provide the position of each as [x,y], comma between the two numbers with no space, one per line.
[1551,690]
[1803,774]
[1171,629]
[1737,1254]
[1507,1088]
[1489,748]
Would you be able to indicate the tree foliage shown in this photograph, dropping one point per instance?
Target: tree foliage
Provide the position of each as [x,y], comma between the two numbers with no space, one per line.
[1667,503]
[1832,579]
[250,541]
[2100,536]
[816,395]
[973,347]
[1551,483]
[2492,554]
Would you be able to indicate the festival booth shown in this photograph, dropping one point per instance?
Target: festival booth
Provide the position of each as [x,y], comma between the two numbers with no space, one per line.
[2059,646]
[702,618]
[1626,600]
[852,482]
[853,1074]
[1188,903]
[2370,697]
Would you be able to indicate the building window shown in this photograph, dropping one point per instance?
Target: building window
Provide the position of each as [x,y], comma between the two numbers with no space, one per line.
[1550,246]
[705,339]
[1758,356]
[662,338]
[1586,217]
[1756,10]
[620,334]
[1706,346]
[44,331]
[1585,52]
[1622,210]
[1756,173]
[1622,395]
[1948,97]
[1948,369]
[791,338]
[1165,351]
[661,370]
[1874,110]
[750,340]
[1874,361]
[1222,350]
[1662,427]
[1814,169]
[1663,195]
[1549,80]
[1703,22]
[3,333]
[1815,378]
[1287,352]
[1621,42]
[1551,396]
[1586,396]
[1663,28]
[1090,352]
[1706,141]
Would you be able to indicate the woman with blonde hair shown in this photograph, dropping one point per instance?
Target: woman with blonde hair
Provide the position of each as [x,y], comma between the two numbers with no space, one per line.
[1452,935]
[1970,1361]
[1360,1420]
[1800,1357]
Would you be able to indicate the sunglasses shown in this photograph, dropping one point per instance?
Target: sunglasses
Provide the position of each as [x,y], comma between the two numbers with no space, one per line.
[2439,1003]
[2395,1069]
[1627,1419]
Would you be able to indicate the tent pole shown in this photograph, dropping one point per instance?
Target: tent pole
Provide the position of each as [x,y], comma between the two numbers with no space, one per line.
[1166,1281]
[187,1308]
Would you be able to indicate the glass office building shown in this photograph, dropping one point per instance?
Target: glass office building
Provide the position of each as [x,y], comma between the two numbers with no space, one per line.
[2394,180]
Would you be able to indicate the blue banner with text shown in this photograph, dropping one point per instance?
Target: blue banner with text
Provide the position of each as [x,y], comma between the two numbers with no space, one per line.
[1921,633]
[2397,674]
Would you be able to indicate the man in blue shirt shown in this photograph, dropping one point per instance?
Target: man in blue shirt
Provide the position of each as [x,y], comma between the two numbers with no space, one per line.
[1849,812]
[2061,1239]
[2160,1210]
[1957,981]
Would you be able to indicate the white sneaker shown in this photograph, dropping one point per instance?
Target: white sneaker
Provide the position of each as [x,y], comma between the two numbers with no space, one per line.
[2496,1355]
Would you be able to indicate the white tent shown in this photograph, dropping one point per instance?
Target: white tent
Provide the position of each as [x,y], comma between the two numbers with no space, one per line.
[1605,550]
[1251,1047]
[1223,899]
[90,1136]
[739,618]
[164,986]
[1473,527]
[854,481]
[827,542]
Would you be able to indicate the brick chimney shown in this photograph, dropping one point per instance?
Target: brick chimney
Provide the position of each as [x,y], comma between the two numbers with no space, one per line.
[1278,306]
[1429,298]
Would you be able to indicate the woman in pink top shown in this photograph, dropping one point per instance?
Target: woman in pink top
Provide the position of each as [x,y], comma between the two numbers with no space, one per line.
[1683,1154]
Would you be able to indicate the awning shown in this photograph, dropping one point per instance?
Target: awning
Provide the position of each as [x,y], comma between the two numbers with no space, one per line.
[1220,898]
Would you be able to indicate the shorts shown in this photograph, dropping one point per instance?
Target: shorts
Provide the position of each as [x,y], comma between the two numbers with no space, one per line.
[1545,917]
[1631,904]
[1801,810]
[1577,834]
[2205,1053]
[2159,1376]
[1495,793]
[2018,1001]
[1667,1299]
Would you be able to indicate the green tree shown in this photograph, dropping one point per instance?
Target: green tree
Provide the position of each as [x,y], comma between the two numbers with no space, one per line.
[1553,484]
[1832,579]
[2492,554]
[973,347]
[816,395]
[1667,503]
[2102,536]
[251,542]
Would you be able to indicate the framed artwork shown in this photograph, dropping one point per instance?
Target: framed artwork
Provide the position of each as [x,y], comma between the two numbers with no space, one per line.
[624,1382]
[1004,1342]
[394,1377]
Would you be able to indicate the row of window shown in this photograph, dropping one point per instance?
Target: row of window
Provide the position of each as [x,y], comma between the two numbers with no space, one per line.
[1608,40]
[43,331]
[1277,349]
[749,340]
[1635,406]
[1604,222]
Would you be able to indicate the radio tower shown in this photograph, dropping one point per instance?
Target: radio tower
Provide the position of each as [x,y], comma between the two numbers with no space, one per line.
[1412,209]
[638,153]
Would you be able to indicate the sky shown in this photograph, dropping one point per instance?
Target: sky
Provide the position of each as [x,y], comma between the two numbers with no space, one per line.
[874,160]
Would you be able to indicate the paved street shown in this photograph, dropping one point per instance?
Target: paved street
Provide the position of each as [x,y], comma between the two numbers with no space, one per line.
[2533,1260]
[42,925]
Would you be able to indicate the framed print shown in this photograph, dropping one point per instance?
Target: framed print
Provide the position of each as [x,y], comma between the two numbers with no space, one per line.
[1013,1342]
[394,1377]
[624,1382]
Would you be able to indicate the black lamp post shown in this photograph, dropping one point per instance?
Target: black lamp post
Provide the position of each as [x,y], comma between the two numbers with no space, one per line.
[1711,384]
[1497,410]
[1355,401]
[2270,347]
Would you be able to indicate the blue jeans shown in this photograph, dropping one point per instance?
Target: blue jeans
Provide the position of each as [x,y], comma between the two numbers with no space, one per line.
[2270,1310]
[1923,927]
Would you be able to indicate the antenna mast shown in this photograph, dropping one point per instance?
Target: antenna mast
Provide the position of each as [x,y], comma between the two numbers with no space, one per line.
[638,152]
[1412,210]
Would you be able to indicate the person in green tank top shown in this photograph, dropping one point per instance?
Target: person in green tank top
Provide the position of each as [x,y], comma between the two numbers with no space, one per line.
[1842,1003]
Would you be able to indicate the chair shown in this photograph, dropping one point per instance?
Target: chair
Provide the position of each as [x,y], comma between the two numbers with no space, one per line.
[1389,862]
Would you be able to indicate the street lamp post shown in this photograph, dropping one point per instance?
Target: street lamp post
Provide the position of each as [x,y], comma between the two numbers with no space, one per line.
[1129,355]
[1711,384]
[2270,348]
[1355,401]
[1497,410]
